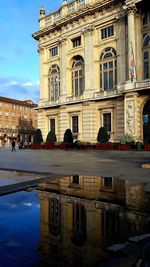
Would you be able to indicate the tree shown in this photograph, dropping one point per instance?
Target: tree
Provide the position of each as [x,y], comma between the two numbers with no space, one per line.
[68,138]
[51,137]
[37,138]
[102,136]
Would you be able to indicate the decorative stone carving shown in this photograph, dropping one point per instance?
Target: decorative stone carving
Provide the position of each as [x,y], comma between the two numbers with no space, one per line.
[40,50]
[63,40]
[130,117]
[88,30]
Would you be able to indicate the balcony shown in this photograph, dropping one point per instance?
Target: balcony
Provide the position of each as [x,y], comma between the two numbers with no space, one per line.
[144,84]
[106,93]
[65,10]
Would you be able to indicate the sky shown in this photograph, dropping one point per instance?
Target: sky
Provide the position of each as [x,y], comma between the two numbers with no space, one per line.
[19,60]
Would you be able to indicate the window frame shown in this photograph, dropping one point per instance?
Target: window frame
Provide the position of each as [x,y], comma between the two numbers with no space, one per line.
[108,69]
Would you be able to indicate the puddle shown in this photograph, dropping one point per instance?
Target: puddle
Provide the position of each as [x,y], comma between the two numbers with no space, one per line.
[75,221]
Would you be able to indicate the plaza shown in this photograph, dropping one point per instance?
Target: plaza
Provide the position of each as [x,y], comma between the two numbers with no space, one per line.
[58,163]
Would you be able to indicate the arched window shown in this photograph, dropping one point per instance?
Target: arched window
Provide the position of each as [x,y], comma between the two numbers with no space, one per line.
[146,56]
[54,82]
[78,76]
[108,69]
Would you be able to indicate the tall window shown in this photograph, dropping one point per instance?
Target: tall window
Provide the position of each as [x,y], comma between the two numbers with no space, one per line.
[107,122]
[52,125]
[146,45]
[78,76]
[54,82]
[108,69]
[79,225]
[146,56]
[75,126]
[54,216]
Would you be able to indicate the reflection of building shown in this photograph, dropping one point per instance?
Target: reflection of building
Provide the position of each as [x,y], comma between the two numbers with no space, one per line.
[81,215]
[18,120]
[95,69]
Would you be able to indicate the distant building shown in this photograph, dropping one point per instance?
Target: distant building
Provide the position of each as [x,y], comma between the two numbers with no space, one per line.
[95,69]
[18,120]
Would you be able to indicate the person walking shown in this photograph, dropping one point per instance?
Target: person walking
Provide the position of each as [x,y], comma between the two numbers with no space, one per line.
[13,145]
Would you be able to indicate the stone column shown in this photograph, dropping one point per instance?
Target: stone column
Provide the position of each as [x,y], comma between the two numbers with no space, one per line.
[121,49]
[131,36]
[63,66]
[139,45]
[43,88]
[88,58]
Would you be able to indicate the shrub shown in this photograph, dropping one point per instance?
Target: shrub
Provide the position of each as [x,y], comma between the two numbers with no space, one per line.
[127,138]
[68,137]
[37,138]
[51,137]
[102,136]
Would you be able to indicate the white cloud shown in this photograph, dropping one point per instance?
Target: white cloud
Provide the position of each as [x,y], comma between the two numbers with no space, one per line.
[19,89]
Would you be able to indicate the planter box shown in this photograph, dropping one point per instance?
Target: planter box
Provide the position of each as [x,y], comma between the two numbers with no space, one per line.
[147,147]
[125,147]
[49,145]
[36,146]
[104,146]
[65,146]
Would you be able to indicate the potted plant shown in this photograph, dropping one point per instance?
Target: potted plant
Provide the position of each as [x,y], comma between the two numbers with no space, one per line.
[50,140]
[126,141]
[37,139]
[68,140]
[102,139]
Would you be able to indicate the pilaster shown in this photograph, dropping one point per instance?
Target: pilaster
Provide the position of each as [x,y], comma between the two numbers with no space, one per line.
[88,33]
[121,48]
[131,10]
[130,113]
[63,65]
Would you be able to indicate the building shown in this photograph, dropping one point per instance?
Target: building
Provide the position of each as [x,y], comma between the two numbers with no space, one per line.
[95,69]
[18,120]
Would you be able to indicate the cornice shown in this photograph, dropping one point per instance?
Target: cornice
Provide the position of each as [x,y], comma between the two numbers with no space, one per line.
[88,10]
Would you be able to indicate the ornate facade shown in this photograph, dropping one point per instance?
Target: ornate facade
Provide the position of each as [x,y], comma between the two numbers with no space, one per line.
[95,69]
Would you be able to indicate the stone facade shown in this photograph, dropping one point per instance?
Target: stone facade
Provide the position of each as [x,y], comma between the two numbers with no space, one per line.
[95,69]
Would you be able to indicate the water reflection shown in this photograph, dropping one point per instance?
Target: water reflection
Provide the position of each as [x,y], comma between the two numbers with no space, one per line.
[80,216]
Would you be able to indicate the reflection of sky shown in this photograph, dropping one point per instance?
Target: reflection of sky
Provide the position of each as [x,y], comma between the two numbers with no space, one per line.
[19,229]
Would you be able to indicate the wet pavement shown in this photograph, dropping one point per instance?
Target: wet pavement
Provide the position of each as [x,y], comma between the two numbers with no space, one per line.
[108,192]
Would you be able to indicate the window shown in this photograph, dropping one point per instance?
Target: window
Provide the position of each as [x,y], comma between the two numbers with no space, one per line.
[81,3]
[107,183]
[54,51]
[107,32]
[78,76]
[110,223]
[52,125]
[107,121]
[75,179]
[76,42]
[75,127]
[108,69]
[79,221]
[54,216]
[146,55]
[146,45]
[54,83]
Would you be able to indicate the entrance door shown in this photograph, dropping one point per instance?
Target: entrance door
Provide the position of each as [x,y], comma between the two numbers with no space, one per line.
[146,123]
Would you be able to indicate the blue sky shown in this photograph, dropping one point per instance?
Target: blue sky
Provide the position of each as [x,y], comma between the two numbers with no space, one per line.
[19,61]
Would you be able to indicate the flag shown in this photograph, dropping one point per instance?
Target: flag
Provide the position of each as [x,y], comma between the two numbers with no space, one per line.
[132,68]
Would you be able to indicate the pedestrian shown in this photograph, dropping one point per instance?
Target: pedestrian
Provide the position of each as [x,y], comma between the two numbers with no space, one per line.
[13,145]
